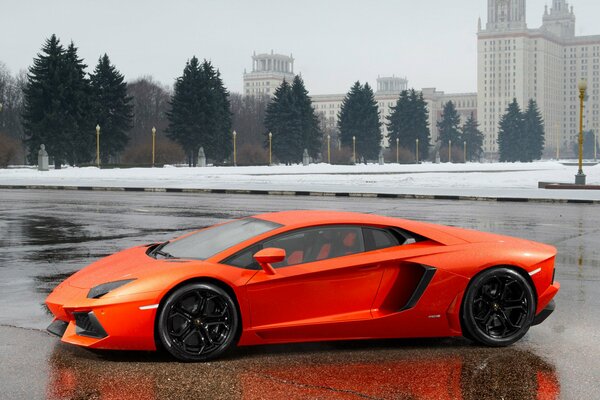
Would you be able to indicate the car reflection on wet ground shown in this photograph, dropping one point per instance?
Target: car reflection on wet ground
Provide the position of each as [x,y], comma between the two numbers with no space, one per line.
[46,235]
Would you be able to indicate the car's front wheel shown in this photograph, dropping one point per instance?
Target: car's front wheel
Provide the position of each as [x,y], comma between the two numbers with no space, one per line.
[498,308]
[198,322]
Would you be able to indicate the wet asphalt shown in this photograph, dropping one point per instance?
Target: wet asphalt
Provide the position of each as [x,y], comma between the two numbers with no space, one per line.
[47,235]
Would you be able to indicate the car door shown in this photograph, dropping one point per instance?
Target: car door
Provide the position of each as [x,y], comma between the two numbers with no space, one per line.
[326,277]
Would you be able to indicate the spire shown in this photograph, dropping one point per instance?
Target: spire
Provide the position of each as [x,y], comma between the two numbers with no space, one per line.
[479,24]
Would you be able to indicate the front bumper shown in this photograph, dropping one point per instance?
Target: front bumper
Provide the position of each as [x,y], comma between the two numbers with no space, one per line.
[119,323]
[545,313]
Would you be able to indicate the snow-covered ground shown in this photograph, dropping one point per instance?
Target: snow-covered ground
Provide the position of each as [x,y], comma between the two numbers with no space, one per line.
[472,179]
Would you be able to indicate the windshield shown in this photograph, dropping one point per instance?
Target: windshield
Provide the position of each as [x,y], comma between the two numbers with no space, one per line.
[208,242]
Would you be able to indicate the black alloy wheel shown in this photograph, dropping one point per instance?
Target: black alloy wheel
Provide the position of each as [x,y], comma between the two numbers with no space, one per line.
[499,307]
[198,322]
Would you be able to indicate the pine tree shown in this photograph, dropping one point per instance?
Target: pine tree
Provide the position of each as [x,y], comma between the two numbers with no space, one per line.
[409,121]
[43,114]
[112,108]
[533,133]
[510,141]
[281,120]
[56,107]
[311,132]
[200,115]
[473,138]
[79,125]
[449,125]
[359,118]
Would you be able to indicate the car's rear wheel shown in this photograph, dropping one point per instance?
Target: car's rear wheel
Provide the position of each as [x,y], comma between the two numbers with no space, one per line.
[498,308]
[198,322]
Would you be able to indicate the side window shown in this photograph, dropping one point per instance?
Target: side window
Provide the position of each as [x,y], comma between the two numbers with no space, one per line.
[379,239]
[245,259]
[317,244]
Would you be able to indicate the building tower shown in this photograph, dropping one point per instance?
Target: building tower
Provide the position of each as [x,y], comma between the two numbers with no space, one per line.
[506,15]
[560,21]
[268,72]
[391,85]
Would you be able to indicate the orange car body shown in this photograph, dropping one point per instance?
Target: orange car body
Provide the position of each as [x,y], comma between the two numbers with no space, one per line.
[357,296]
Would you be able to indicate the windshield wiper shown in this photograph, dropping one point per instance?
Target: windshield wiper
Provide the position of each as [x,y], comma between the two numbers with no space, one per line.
[158,250]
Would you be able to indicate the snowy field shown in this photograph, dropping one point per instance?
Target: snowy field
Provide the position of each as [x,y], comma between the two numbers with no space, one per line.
[472,179]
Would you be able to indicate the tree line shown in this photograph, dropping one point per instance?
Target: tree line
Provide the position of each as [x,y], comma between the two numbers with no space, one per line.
[59,104]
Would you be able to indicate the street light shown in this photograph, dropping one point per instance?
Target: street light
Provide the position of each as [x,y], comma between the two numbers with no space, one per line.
[153,144]
[557,126]
[580,177]
[465,151]
[449,150]
[234,150]
[328,149]
[417,151]
[354,149]
[595,144]
[98,146]
[270,144]
[397,150]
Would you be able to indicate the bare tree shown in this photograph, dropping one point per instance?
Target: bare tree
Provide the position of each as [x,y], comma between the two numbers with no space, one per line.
[248,119]
[150,105]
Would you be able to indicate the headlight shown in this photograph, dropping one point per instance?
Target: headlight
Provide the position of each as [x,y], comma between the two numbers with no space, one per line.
[98,291]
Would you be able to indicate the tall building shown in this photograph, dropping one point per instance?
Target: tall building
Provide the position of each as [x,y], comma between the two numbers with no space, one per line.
[268,72]
[544,64]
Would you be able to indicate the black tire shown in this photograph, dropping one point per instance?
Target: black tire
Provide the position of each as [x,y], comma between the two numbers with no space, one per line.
[498,308]
[198,322]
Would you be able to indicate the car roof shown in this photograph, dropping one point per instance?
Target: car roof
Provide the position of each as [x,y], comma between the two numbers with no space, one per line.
[325,217]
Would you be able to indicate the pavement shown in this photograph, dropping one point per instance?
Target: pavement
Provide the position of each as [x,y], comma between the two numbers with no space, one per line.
[46,235]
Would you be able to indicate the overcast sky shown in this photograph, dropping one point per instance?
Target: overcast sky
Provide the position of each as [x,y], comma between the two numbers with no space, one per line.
[334,42]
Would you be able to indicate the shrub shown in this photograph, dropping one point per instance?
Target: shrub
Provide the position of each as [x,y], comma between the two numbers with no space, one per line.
[251,154]
[405,156]
[9,148]
[341,156]
[167,152]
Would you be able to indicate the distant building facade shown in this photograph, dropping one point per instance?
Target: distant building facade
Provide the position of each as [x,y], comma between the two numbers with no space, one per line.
[388,91]
[268,72]
[544,64]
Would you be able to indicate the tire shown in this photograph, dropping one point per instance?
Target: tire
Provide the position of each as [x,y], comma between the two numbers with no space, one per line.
[198,322]
[499,307]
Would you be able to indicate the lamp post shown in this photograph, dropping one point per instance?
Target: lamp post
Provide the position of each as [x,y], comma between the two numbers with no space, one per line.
[270,147]
[354,149]
[328,149]
[234,150]
[557,141]
[449,150]
[465,151]
[595,145]
[580,177]
[153,145]
[397,150]
[417,150]
[98,146]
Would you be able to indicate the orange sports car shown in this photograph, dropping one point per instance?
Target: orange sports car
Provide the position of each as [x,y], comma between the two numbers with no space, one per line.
[300,276]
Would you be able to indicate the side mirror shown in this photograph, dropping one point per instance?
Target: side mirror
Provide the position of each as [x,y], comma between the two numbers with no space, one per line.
[268,256]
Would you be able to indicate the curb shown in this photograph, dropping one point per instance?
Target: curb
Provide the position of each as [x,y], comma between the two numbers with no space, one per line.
[304,193]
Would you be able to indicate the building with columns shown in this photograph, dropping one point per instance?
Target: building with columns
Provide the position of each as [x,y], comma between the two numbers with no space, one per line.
[268,71]
[544,64]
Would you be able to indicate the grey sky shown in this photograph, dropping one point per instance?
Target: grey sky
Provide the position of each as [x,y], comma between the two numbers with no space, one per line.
[334,42]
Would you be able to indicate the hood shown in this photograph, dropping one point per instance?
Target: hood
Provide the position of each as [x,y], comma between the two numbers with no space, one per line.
[126,264]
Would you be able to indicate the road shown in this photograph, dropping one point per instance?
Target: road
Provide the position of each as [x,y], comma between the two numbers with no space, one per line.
[46,235]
